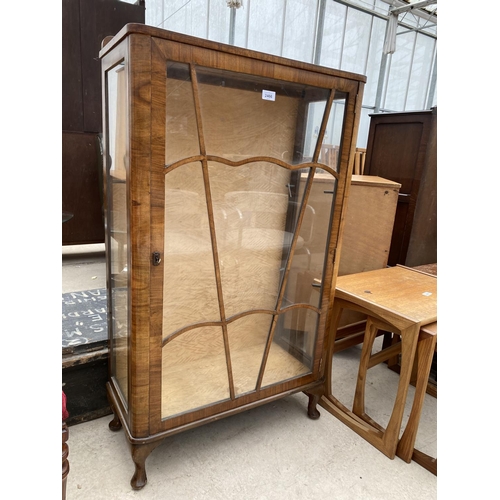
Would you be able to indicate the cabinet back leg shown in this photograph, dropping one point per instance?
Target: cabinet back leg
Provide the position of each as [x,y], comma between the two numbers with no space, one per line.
[314,397]
[115,425]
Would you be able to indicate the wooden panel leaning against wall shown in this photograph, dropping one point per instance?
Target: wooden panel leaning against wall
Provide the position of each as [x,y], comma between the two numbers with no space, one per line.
[84,25]
[403,147]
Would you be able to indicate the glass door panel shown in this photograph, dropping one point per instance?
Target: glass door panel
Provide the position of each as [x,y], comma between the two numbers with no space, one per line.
[307,264]
[292,351]
[189,284]
[250,211]
[245,116]
[246,233]
[181,127]
[247,342]
[194,371]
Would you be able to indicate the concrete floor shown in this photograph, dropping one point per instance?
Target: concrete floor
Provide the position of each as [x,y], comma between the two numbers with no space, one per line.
[271,452]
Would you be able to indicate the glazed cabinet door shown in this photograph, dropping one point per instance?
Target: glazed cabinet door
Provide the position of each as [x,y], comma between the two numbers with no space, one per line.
[245,184]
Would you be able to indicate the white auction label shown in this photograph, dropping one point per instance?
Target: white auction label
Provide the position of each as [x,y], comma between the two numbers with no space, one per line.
[268,95]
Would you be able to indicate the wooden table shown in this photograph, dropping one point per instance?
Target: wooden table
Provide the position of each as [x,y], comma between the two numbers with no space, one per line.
[396,299]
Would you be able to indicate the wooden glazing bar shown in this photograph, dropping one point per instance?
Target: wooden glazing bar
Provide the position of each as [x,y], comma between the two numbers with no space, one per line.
[332,259]
[184,161]
[229,320]
[185,329]
[253,159]
[330,251]
[324,123]
[300,306]
[197,109]
[271,159]
[247,313]
[211,223]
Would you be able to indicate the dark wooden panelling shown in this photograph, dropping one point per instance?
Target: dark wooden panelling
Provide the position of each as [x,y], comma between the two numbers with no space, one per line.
[423,242]
[72,98]
[81,195]
[402,147]
[85,23]
[100,18]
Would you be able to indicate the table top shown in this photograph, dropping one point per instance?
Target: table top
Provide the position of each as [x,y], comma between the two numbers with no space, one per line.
[403,292]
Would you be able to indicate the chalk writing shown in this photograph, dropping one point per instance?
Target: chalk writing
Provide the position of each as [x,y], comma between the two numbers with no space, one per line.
[84,317]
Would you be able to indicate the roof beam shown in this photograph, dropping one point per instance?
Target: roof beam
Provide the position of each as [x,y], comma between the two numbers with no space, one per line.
[411,6]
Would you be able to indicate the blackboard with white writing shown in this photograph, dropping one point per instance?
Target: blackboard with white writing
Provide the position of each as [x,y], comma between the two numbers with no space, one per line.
[84,317]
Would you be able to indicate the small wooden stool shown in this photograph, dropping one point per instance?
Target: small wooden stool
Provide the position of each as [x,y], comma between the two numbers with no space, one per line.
[396,299]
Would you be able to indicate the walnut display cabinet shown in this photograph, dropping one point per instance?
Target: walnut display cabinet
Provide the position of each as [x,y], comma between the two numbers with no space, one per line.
[220,274]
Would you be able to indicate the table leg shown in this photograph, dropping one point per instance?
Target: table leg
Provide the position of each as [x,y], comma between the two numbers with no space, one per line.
[358,407]
[409,339]
[425,351]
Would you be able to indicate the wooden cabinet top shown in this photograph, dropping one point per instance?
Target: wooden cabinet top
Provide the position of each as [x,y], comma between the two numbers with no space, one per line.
[143,29]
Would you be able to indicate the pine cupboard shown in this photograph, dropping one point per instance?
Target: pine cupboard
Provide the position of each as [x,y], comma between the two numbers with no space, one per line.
[220,273]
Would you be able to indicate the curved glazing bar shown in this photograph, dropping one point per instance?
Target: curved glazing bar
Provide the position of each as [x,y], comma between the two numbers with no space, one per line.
[253,159]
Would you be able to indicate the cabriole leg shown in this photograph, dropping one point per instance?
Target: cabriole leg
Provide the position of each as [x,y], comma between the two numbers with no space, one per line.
[115,425]
[314,397]
[140,453]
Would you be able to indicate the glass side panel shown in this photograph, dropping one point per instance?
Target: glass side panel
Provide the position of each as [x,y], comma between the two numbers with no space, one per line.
[181,140]
[194,372]
[117,220]
[292,350]
[247,341]
[189,286]
[245,116]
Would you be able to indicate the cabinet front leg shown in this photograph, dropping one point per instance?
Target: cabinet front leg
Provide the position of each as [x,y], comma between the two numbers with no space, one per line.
[140,453]
[314,397]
